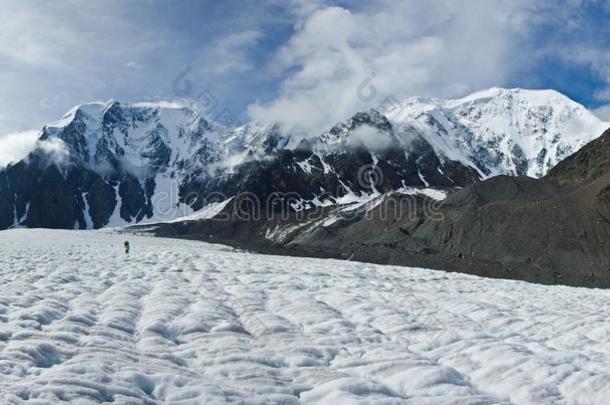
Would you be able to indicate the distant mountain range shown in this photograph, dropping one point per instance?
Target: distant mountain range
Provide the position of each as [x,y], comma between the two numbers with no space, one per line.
[110,164]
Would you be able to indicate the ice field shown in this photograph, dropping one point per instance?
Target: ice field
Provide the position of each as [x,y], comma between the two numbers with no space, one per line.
[185,322]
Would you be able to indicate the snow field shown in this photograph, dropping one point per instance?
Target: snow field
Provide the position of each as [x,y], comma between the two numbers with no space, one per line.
[191,323]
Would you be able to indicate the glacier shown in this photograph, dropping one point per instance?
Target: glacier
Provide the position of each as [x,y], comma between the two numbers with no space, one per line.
[181,321]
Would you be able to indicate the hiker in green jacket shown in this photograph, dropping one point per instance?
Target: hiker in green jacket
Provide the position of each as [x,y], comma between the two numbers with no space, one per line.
[126,247]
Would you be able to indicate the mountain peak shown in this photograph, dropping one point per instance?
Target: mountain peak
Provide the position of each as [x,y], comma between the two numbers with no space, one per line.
[535,97]
[504,131]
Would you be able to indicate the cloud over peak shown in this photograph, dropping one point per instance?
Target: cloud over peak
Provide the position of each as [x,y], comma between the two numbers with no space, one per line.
[303,63]
[339,61]
[16,146]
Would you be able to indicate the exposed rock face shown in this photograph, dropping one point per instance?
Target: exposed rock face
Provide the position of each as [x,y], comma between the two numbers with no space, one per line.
[101,200]
[52,195]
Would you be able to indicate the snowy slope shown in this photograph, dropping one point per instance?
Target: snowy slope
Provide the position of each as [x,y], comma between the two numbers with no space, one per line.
[503,131]
[186,322]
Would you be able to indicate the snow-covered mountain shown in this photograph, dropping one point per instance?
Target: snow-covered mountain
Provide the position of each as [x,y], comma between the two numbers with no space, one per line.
[106,164]
[502,131]
[112,163]
[435,143]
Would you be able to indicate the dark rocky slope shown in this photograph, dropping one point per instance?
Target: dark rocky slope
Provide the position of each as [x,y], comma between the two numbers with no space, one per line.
[552,230]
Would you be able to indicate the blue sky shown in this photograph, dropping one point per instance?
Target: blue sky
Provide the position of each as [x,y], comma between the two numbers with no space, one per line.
[299,62]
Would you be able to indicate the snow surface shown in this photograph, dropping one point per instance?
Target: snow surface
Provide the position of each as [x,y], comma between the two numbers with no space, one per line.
[192,323]
[207,212]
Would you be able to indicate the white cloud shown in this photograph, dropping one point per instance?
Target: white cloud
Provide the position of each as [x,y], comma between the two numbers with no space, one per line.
[55,148]
[371,138]
[54,55]
[598,59]
[603,94]
[16,146]
[231,53]
[133,65]
[603,112]
[441,48]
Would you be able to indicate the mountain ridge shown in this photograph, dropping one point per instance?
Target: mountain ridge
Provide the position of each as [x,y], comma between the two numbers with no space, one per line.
[123,163]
